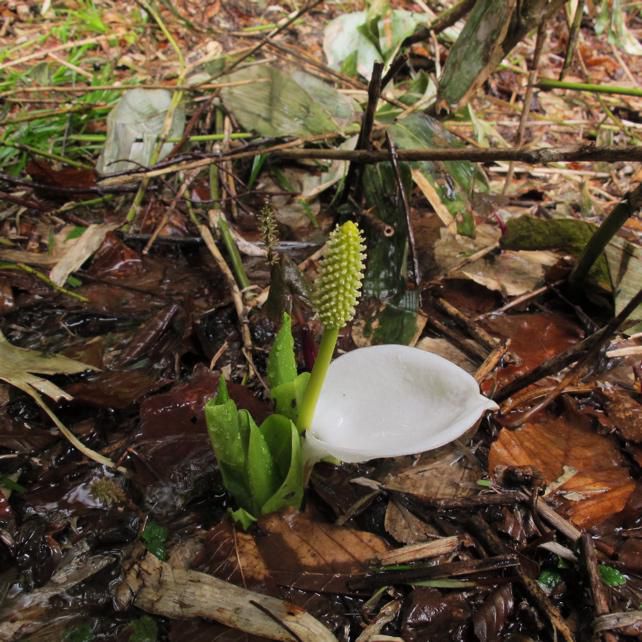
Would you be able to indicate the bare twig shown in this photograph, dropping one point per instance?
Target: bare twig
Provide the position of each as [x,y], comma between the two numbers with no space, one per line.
[353,179]
[241,311]
[406,207]
[583,154]
[474,330]
[492,361]
[441,22]
[295,16]
[600,599]
[528,98]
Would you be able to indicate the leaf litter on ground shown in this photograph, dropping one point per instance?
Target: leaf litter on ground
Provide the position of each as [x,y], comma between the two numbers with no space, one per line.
[152,317]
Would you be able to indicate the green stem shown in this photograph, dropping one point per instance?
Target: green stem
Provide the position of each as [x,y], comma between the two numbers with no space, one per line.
[572,37]
[610,225]
[44,278]
[233,252]
[550,83]
[319,371]
[169,116]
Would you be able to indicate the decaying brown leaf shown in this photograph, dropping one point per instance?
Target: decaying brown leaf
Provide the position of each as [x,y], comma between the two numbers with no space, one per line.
[602,484]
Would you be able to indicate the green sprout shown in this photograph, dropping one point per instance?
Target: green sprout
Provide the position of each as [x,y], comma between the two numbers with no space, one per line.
[262,466]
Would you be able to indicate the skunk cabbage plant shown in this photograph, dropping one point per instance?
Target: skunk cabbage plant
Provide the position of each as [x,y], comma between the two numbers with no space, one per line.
[381,401]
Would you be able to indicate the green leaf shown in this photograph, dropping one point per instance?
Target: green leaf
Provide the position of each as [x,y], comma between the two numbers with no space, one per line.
[349,64]
[549,579]
[144,629]
[288,396]
[277,432]
[281,366]
[222,395]
[80,633]
[11,484]
[155,537]
[274,104]
[229,438]
[243,518]
[75,232]
[222,419]
[284,442]
[611,576]
[262,475]
[453,182]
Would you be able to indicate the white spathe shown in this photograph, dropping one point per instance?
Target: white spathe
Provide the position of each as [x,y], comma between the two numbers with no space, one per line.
[391,400]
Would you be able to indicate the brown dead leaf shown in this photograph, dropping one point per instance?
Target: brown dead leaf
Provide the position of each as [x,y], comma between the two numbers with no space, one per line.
[438,474]
[442,473]
[602,484]
[534,338]
[625,414]
[315,556]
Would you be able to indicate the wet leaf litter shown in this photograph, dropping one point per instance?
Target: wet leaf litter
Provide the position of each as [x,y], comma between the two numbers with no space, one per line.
[143,158]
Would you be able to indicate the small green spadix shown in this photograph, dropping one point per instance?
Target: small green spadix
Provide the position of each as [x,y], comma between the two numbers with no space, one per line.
[335,297]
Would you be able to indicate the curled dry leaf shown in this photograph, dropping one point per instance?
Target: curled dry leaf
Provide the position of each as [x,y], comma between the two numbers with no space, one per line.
[490,618]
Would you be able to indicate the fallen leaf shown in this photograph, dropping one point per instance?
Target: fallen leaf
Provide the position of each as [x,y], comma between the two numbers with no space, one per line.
[79,251]
[603,482]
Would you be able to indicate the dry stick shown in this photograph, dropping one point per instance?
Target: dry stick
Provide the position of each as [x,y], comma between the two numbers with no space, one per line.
[68,434]
[67,45]
[478,525]
[600,599]
[491,361]
[577,371]
[228,178]
[582,153]
[527,396]
[269,36]
[555,617]
[548,367]
[621,620]
[353,179]
[555,519]
[572,37]
[237,299]
[301,55]
[475,331]
[471,348]
[631,203]
[528,98]
[406,208]
[169,115]
[81,89]
[119,189]
[185,184]
[520,300]
[441,22]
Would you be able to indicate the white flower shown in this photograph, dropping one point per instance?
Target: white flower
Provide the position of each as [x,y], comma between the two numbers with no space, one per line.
[391,400]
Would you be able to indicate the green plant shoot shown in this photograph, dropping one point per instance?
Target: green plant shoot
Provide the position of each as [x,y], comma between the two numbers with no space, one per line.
[262,466]
[335,297]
